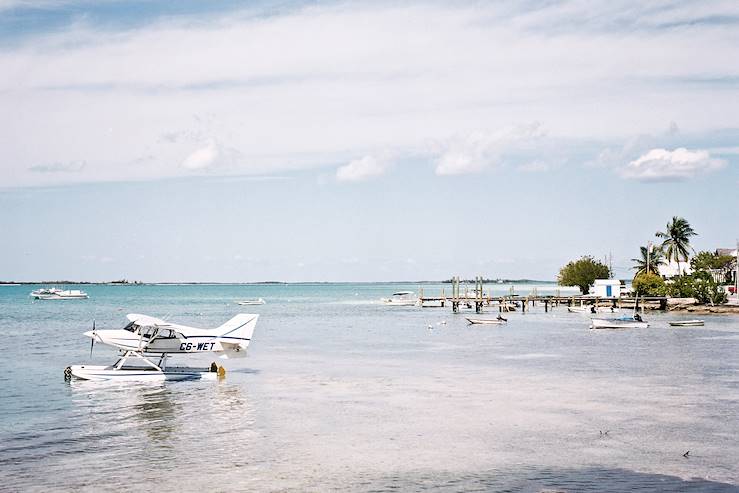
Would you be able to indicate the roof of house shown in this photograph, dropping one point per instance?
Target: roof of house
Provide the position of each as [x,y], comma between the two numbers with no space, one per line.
[726,251]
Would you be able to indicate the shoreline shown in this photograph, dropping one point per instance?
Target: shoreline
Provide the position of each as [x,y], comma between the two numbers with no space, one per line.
[706,309]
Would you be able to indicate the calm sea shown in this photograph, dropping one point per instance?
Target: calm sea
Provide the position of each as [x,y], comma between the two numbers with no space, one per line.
[342,393]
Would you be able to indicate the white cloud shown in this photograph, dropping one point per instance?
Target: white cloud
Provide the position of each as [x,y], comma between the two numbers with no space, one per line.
[361,169]
[664,165]
[304,86]
[480,150]
[203,157]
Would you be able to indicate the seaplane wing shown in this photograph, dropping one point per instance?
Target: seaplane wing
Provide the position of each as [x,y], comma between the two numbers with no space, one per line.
[146,320]
[145,334]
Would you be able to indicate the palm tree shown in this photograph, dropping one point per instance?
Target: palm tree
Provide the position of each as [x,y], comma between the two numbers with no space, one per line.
[676,244]
[654,259]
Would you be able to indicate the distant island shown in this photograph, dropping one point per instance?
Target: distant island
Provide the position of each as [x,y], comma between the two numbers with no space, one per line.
[502,281]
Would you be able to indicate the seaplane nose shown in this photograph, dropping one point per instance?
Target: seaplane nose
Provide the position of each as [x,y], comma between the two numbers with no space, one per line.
[91,334]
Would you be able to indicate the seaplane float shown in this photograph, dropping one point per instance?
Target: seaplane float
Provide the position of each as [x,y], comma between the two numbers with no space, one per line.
[145,338]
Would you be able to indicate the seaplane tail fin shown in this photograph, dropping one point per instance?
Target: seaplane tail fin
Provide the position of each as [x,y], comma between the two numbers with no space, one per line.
[235,334]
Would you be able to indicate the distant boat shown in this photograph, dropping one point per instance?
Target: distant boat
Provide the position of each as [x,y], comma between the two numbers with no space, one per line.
[509,306]
[58,294]
[688,323]
[253,301]
[486,321]
[401,298]
[618,323]
[591,309]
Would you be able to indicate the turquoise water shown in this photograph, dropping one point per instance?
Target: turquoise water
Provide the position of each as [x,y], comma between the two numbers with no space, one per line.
[342,393]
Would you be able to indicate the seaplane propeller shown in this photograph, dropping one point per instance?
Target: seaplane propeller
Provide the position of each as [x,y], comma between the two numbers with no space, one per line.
[92,339]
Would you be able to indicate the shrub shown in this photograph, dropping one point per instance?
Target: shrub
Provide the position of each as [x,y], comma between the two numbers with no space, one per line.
[648,284]
[680,287]
[699,285]
[707,290]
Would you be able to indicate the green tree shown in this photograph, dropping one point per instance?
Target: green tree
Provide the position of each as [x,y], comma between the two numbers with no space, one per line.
[707,290]
[583,273]
[699,285]
[676,240]
[706,261]
[648,284]
[681,287]
[655,259]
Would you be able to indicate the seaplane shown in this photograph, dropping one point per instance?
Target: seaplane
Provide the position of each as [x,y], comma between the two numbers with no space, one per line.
[145,338]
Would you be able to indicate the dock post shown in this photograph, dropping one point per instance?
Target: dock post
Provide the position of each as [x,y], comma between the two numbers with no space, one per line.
[546,306]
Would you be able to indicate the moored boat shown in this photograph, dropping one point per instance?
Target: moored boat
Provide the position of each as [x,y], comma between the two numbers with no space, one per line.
[58,294]
[688,323]
[252,301]
[618,323]
[401,298]
[486,321]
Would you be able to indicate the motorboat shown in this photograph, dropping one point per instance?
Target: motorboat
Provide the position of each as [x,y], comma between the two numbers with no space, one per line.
[252,301]
[145,338]
[58,294]
[688,323]
[401,298]
[634,322]
[509,306]
[487,321]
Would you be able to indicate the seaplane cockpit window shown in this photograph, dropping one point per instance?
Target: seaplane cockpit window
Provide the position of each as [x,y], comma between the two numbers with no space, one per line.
[167,334]
[130,327]
[147,332]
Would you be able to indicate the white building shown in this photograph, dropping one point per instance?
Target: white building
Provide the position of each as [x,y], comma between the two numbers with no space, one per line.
[606,288]
[670,269]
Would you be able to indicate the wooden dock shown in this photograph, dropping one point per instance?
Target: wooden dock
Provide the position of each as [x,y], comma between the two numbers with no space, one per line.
[478,299]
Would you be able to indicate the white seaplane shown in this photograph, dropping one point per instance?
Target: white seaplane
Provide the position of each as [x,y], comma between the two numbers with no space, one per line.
[146,338]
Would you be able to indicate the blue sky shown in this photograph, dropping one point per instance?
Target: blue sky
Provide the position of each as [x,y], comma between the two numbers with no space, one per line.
[345,141]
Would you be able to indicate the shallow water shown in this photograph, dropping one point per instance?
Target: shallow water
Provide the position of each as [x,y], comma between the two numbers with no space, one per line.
[342,393]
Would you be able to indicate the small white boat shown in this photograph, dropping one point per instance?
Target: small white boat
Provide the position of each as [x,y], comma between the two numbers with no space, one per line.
[58,294]
[486,321]
[618,323]
[591,309]
[253,301]
[509,306]
[688,323]
[401,298]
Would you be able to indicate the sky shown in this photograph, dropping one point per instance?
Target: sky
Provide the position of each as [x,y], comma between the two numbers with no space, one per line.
[360,141]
